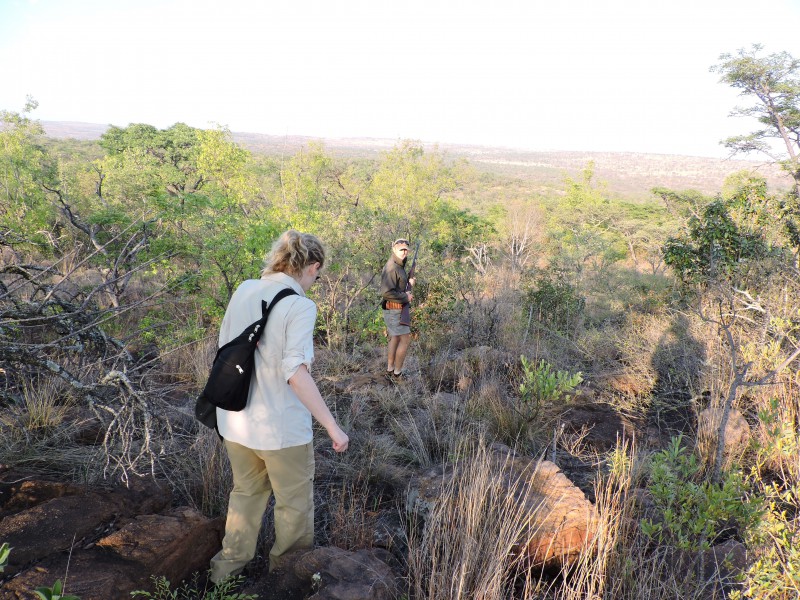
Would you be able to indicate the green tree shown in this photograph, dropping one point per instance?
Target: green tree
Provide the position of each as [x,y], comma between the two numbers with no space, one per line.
[409,187]
[225,166]
[714,247]
[644,228]
[167,157]
[218,230]
[582,228]
[773,83]
[25,213]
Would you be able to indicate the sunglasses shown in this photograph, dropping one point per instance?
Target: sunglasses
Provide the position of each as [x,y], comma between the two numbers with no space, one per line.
[399,241]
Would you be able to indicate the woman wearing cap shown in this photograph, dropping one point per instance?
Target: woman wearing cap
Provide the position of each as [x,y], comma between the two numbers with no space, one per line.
[269,443]
[393,291]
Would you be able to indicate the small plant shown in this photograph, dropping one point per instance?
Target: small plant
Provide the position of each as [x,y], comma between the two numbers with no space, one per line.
[541,385]
[224,590]
[5,551]
[45,593]
[691,513]
[780,444]
[316,582]
[54,593]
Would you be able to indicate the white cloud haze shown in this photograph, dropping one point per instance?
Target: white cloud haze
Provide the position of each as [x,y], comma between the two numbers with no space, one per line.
[602,75]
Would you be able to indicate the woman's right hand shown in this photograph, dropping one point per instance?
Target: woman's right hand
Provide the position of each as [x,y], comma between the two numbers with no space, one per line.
[339,438]
[308,394]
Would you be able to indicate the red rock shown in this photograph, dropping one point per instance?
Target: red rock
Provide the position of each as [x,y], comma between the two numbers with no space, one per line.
[561,521]
[174,545]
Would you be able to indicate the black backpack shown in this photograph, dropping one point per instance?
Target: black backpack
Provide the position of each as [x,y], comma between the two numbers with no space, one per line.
[229,380]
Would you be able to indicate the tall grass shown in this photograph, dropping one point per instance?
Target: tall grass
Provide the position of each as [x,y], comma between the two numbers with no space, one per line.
[352,515]
[44,406]
[602,570]
[465,547]
[37,433]
[202,475]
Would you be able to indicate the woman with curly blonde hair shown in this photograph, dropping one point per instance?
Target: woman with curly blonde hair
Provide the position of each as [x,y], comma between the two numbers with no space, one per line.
[269,443]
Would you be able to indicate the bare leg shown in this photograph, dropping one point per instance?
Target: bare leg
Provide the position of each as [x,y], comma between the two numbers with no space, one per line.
[394,341]
[400,352]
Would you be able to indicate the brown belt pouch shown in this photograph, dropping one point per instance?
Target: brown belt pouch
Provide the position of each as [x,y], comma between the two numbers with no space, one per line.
[393,305]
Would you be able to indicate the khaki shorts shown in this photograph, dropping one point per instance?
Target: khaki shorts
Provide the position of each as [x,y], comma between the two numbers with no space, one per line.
[392,320]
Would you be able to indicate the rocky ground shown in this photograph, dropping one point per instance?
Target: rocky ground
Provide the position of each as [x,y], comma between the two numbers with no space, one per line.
[108,542]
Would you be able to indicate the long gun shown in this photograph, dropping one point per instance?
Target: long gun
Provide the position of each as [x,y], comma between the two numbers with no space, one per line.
[405,312]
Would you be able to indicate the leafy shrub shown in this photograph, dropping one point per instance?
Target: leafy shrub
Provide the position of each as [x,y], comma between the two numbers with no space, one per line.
[693,514]
[775,573]
[774,542]
[555,302]
[439,309]
[224,590]
[542,385]
[779,445]
[714,247]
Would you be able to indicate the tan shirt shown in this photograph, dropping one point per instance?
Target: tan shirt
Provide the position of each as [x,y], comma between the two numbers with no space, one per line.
[274,417]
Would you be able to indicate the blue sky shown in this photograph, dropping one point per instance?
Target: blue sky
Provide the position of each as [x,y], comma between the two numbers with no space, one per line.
[599,75]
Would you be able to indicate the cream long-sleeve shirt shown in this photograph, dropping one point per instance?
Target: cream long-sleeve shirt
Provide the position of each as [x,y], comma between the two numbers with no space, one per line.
[274,417]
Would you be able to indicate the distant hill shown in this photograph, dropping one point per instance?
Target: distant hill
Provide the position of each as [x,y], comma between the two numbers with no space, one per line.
[73,129]
[627,174]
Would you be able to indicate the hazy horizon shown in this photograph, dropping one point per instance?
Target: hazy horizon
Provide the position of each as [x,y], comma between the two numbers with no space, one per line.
[391,142]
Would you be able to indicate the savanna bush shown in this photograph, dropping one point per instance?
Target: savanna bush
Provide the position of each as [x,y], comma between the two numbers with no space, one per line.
[554,301]
[692,513]
[774,544]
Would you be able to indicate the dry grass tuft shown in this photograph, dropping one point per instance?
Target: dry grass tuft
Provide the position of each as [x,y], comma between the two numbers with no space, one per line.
[332,363]
[52,456]
[392,401]
[465,548]
[430,433]
[352,521]
[37,434]
[45,406]
[506,422]
[190,363]
[202,475]
[601,570]
[373,457]
[510,420]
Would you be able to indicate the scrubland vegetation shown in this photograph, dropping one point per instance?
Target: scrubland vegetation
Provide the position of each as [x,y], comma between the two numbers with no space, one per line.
[681,313]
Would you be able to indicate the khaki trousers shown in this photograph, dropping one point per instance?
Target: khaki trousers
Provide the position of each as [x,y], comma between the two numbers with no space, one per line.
[289,474]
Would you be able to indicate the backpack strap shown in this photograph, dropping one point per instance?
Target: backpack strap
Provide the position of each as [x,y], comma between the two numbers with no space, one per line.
[267,308]
[278,297]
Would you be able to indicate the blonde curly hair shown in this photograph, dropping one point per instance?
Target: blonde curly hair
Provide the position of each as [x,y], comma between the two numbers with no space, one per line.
[292,252]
